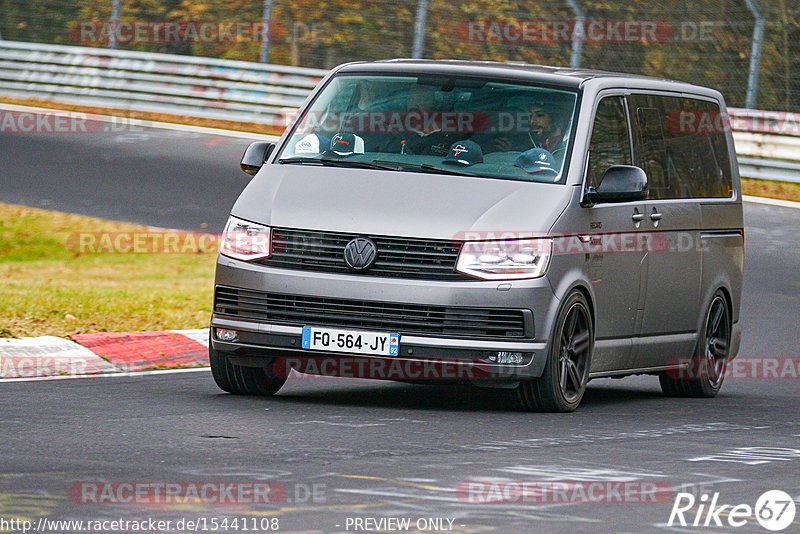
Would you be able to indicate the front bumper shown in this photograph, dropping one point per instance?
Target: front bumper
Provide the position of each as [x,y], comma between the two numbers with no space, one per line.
[260,341]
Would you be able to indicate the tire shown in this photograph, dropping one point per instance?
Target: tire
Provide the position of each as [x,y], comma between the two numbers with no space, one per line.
[710,360]
[563,382]
[241,380]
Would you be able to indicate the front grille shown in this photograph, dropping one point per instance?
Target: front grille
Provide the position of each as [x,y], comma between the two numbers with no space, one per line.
[403,318]
[400,257]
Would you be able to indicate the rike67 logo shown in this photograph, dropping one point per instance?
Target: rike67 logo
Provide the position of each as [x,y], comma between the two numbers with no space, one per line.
[774,510]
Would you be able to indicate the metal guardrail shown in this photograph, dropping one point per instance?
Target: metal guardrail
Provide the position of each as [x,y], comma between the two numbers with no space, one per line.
[768,143]
[768,169]
[162,83]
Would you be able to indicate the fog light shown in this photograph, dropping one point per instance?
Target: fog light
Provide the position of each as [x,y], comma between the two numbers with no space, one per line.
[226,335]
[507,357]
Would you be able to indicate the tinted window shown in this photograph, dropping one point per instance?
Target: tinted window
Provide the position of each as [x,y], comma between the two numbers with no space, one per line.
[610,144]
[651,153]
[681,145]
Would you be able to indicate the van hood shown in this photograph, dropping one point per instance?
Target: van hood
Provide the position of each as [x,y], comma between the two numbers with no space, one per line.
[377,202]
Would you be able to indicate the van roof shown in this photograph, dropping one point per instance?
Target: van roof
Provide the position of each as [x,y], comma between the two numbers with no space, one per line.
[565,76]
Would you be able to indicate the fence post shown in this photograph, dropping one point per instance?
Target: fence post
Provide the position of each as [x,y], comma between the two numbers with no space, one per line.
[265,28]
[577,35]
[112,38]
[419,29]
[755,55]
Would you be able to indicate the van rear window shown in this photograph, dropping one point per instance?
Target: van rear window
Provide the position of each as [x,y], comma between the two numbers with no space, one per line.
[681,145]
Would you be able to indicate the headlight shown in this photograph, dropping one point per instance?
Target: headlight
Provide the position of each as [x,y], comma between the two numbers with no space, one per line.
[244,240]
[505,260]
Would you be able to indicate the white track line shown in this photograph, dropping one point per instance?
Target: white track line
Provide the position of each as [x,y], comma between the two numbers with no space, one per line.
[107,375]
[141,122]
[771,202]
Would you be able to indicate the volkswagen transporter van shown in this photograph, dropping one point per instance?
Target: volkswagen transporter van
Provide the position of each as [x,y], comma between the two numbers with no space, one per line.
[510,225]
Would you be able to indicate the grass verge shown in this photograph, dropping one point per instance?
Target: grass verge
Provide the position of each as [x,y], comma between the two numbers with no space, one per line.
[771,189]
[51,285]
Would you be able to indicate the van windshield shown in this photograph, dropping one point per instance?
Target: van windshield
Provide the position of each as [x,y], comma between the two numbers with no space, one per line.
[436,124]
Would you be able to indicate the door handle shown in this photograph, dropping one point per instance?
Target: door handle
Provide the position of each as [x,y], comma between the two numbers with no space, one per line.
[637,217]
[655,216]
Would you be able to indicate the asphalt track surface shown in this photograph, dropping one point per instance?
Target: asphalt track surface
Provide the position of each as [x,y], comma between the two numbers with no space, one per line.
[350,449]
[166,178]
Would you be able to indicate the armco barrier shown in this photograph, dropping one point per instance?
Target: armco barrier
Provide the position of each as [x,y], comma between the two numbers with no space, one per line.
[767,143]
[257,93]
[172,84]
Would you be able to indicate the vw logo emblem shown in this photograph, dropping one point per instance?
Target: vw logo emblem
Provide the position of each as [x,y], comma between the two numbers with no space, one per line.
[360,253]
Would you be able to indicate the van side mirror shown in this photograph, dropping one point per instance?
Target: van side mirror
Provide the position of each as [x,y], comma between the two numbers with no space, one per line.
[620,183]
[255,156]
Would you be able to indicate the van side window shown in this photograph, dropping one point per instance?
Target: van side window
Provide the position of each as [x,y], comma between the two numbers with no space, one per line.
[610,144]
[680,145]
[651,152]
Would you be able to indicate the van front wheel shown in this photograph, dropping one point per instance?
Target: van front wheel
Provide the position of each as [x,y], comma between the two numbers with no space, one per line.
[563,382]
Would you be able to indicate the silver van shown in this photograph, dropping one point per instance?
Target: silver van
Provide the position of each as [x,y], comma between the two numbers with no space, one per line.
[510,225]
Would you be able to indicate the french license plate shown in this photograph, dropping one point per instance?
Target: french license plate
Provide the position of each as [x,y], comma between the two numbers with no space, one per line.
[351,341]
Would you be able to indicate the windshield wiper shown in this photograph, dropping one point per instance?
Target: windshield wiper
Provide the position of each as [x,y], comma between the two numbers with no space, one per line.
[386,165]
[334,162]
[425,167]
